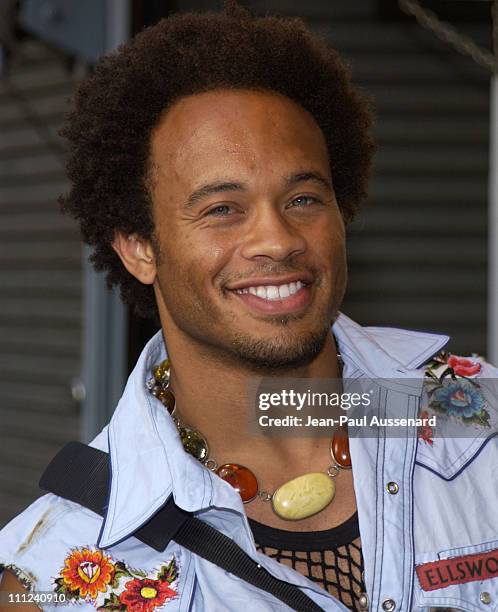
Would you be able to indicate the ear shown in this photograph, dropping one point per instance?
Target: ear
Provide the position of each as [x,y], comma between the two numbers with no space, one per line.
[137,256]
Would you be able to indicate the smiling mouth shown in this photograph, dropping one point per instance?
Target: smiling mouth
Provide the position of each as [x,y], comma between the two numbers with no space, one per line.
[273,292]
[276,299]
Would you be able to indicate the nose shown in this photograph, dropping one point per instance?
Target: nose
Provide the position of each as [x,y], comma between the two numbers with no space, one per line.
[273,236]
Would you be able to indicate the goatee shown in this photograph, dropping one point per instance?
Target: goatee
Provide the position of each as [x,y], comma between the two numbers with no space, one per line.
[272,355]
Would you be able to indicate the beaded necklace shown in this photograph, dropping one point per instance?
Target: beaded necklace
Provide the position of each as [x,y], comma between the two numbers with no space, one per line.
[296,499]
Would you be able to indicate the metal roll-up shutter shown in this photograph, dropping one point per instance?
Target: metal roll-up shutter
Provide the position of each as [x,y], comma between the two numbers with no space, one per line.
[40,277]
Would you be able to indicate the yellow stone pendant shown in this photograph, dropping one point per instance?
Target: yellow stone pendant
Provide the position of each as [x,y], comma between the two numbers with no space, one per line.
[303,496]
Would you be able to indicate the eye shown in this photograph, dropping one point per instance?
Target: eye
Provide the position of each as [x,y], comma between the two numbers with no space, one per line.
[219,211]
[304,200]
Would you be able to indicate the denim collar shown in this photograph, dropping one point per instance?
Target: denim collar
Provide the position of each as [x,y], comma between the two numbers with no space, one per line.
[148,463]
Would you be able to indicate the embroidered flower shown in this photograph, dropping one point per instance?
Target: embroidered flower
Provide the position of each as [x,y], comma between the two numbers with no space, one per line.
[112,584]
[444,365]
[425,432]
[463,366]
[460,399]
[145,595]
[87,572]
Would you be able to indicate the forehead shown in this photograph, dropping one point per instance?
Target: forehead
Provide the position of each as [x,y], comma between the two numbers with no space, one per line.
[234,127]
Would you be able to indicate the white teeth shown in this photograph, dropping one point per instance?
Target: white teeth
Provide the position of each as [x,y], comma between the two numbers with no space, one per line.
[272,292]
[284,291]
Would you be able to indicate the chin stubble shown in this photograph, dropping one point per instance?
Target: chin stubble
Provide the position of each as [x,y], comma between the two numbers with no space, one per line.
[272,355]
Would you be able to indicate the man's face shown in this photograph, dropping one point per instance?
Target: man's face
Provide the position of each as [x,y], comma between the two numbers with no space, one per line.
[252,258]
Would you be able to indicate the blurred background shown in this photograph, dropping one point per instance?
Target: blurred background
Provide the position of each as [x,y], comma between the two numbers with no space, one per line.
[422,255]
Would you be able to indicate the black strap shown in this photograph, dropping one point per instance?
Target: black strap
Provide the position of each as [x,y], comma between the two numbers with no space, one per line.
[81,474]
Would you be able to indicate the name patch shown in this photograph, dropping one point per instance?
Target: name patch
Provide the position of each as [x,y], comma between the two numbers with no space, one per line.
[458,570]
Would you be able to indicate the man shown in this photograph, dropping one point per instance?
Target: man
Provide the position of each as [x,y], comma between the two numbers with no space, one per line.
[215,161]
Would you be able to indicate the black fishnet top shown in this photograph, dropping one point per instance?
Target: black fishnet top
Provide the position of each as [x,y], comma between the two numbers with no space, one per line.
[331,558]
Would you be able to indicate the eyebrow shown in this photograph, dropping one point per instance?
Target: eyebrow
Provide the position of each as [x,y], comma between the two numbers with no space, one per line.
[222,186]
[303,177]
[210,188]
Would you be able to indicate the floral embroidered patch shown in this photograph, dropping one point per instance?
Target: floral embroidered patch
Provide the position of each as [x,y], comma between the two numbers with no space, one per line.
[445,364]
[93,576]
[86,573]
[453,391]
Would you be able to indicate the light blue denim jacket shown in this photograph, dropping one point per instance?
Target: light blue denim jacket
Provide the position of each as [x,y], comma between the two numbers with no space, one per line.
[445,507]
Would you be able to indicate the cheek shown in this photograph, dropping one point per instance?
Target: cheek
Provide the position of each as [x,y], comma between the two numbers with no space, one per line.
[209,255]
[196,259]
[330,246]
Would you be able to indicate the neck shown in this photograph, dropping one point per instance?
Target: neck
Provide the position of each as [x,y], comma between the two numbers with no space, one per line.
[211,393]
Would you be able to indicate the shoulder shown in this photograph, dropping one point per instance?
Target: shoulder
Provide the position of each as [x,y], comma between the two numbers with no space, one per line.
[32,543]
[465,366]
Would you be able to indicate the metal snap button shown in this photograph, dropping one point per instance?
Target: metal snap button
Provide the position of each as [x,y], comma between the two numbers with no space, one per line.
[392,487]
[363,601]
[388,605]
[485,597]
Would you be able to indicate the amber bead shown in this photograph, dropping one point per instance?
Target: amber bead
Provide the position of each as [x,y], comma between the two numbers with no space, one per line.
[166,397]
[241,479]
[339,449]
